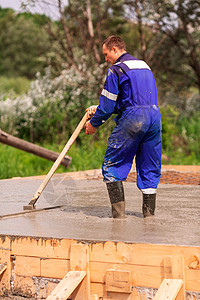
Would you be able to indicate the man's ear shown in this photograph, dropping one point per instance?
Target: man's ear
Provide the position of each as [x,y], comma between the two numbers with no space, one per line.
[114,49]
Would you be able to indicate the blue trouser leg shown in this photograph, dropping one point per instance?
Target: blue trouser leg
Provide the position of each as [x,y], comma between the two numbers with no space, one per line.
[119,156]
[122,145]
[135,134]
[148,158]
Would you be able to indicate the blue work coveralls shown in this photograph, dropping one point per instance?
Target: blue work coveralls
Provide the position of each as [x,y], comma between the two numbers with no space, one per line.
[130,92]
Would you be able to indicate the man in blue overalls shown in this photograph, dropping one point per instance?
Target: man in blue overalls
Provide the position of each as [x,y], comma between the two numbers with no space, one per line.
[130,92]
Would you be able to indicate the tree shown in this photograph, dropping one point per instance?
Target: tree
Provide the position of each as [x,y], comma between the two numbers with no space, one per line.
[163,33]
[179,21]
[81,27]
[23,45]
[168,36]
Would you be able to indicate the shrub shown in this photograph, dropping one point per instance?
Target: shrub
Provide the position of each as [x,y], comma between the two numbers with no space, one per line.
[52,106]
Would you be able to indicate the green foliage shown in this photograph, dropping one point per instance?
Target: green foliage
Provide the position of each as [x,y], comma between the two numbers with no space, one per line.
[13,85]
[169,130]
[23,45]
[89,155]
[52,107]
[38,19]
[181,142]
[16,163]
[189,126]
[179,157]
[177,48]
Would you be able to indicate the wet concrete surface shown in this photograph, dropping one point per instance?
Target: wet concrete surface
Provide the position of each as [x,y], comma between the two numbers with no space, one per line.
[86,215]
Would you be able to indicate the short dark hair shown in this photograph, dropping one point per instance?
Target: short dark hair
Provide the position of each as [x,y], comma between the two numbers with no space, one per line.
[114,41]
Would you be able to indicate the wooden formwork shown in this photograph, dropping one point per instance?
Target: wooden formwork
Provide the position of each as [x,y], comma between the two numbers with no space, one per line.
[33,267]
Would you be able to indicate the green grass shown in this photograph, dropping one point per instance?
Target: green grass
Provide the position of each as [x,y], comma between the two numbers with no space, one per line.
[181,147]
[16,85]
[17,163]
[179,157]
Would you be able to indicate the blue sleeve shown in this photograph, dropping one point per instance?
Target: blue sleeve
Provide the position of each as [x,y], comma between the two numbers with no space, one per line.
[107,99]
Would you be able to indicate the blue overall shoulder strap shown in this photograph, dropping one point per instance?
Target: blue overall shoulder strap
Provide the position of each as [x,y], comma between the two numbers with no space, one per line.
[132,64]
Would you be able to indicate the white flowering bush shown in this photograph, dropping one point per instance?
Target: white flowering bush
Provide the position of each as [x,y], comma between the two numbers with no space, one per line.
[52,106]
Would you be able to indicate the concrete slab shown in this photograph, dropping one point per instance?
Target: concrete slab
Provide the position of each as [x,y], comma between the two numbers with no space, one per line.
[86,212]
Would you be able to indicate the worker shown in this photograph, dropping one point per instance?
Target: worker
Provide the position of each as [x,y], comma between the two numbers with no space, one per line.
[130,92]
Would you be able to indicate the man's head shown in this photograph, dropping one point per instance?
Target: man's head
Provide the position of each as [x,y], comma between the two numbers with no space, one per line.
[113,47]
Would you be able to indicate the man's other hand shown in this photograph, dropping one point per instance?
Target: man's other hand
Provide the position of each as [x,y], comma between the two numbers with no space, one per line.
[91,111]
[89,128]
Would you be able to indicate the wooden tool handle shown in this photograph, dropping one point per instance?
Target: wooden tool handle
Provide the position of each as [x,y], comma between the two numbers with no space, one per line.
[57,162]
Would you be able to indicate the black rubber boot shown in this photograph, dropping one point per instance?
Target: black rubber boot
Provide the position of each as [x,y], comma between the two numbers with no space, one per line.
[149,204]
[116,195]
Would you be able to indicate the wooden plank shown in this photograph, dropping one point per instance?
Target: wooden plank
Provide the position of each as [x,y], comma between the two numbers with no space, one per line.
[169,289]
[149,276]
[174,269]
[5,282]
[54,268]
[192,280]
[27,266]
[139,254]
[79,257]
[99,289]
[67,285]
[3,268]
[94,297]
[41,247]
[118,281]
[119,296]
[79,261]
[120,253]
